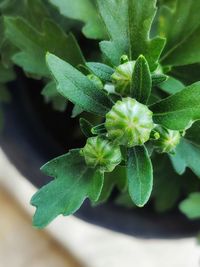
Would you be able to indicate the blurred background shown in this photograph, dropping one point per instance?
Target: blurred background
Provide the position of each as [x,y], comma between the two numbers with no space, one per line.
[69,241]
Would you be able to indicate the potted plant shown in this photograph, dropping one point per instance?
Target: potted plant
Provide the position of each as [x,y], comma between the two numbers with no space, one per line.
[132,144]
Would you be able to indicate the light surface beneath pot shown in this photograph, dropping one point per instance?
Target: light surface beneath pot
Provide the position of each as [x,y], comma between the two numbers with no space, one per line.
[95,246]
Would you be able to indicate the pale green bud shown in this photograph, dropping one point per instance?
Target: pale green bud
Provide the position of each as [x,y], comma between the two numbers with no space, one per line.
[168,140]
[100,152]
[95,80]
[122,77]
[129,122]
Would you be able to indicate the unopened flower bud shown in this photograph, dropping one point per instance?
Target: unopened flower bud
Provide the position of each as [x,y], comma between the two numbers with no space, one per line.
[122,77]
[100,152]
[168,140]
[129,122]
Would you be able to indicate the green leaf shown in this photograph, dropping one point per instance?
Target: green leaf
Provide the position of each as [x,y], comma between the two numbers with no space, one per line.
[86,127]
[171,86]
[187,52]
[183,38]
[124,200]
[187,74]
[140,175]
[124,20]
[99,129]
[158,78]
[180,110]
[84,11]
[6,74]
[76,87]
[191,206]
[167,184]
[116,178]
[64,195]
[186,155]
[102,71]
[51,94]
[192,133]
[141,81]
[33,45]
[4,94]
[76,111]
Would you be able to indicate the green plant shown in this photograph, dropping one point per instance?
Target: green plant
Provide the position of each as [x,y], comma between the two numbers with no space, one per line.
[144,90]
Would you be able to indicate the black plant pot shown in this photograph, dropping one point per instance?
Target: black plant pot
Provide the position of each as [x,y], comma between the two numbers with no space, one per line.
[29,141]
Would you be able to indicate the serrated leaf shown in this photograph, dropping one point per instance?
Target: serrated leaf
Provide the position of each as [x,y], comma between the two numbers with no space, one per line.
[51,94]
[141,81]
[178,111]
[186,155]
[124,20]
[76,87]
[191,206]
[140,175]
[73,184]
[84,11]
[32,10]
[171,86]
[182,39]
[102,71]
[33,45]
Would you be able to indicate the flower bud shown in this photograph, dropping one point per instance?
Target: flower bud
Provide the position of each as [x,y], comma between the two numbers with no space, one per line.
[122,77]
[100,152]
[98,83]
[168,140]
[129,122]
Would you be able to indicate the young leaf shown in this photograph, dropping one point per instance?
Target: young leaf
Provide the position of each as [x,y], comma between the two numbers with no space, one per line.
[171,86]
[76,87]
[86,127]
[84,11]
[140,175]
[102,71]
[141,81]
[33,45]
[186,155]
[158,78]
[191,206]
[178,111]
[124,20]
[73,184]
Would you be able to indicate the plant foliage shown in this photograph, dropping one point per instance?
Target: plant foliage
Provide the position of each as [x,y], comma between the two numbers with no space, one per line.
[138,95]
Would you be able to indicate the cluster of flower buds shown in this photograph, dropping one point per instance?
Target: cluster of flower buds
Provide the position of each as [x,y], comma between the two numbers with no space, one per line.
[128,123]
